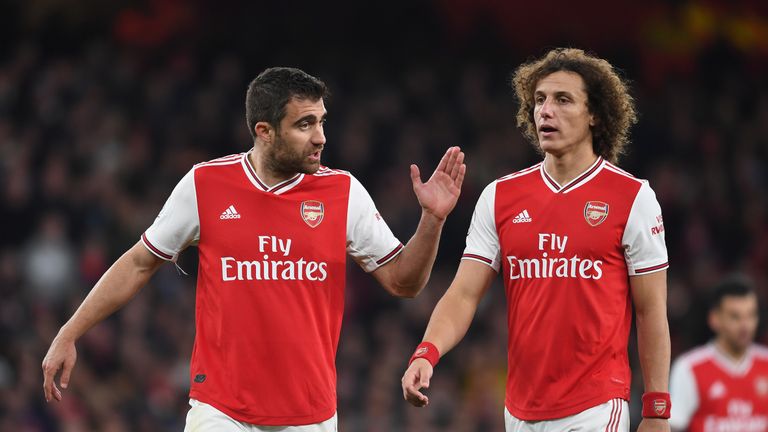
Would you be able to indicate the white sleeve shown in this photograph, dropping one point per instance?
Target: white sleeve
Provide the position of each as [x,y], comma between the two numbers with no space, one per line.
[482,237]
[643,240]
[178,224]
[370,242]
[684,394]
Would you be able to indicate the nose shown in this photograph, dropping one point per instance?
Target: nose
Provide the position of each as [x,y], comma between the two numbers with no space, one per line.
[318,137]
[545,110]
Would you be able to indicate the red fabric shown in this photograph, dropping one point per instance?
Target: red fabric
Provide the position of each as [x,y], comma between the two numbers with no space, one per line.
[656,405]
[568,330]
[731,399]
[428,352]
[265,348]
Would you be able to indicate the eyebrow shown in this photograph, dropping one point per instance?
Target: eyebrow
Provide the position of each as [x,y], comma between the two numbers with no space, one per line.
[311,118]
[557,93]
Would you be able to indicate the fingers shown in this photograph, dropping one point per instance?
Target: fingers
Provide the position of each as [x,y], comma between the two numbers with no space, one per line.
[460,176]
[49,388]
[65,373]
[443,165]
[416,378]
[415,175]
[459,162]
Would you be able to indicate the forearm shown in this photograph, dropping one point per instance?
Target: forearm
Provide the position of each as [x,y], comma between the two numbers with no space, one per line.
[654,349]
[414,264]
[450,321]
[113,290]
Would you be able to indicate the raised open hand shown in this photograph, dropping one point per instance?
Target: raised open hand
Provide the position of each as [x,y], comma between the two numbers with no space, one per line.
[439,194]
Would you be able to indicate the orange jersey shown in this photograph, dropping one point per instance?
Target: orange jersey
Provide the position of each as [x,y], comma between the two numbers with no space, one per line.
[566,254]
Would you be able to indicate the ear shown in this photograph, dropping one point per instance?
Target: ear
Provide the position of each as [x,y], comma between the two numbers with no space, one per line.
[264,131]
[592,120]
[713,320]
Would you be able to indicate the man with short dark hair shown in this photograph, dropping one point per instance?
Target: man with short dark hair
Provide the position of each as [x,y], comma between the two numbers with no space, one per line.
[723,385]
[273,228]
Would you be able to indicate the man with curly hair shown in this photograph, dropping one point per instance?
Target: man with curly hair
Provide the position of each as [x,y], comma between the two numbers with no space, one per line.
[578,242]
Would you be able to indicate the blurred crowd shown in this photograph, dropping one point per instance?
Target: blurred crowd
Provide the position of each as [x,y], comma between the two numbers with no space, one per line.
[92,141]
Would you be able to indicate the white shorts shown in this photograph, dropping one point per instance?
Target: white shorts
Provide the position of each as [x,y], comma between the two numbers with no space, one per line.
[205,418]
[612,416]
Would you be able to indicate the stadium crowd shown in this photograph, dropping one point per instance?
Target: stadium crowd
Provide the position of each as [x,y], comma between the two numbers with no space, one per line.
[93,140]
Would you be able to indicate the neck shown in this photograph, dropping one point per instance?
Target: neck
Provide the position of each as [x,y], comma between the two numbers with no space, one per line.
[564,168]
[265,170]
[734,353]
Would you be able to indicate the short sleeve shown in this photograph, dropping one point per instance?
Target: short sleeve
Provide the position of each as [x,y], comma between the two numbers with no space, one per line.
[684,394]
[370,242]
[643,240]
[178,224]
[482,237]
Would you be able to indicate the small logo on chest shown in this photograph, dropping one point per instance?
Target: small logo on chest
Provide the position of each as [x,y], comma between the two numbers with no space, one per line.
[230,213]
[761,386]
[717,390]
[595,212]
[522,217]
[312,212]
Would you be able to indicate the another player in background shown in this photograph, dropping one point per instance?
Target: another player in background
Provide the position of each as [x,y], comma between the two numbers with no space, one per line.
[723,385]
[578,242]
[273,228]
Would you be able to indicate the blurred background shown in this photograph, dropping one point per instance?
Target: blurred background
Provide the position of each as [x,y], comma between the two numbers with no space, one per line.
[105,105]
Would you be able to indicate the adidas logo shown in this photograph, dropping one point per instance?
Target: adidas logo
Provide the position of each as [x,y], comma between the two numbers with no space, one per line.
[230,213]
[523,217]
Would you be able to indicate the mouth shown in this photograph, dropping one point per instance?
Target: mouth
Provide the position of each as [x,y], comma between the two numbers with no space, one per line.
[547,130]
[315,157]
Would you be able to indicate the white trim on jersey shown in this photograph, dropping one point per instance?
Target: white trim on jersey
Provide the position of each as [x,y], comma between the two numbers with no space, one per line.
[483,238]
[643,239]
[369,240]
[276,189]
[578,181]
[178,224]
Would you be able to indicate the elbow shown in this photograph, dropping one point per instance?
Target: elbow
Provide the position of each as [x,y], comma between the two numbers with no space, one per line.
[405,291]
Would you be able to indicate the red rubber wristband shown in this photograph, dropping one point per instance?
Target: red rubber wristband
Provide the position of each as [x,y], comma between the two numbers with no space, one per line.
[656,405]
[428,352]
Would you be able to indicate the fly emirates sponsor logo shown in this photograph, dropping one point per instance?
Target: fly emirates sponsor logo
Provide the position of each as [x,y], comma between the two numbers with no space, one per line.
[558,266]
[268,268]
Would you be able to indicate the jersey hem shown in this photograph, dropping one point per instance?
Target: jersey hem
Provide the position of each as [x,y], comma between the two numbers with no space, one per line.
[538,415]
[388,257]
[265,420]
[155,251]
[651,269]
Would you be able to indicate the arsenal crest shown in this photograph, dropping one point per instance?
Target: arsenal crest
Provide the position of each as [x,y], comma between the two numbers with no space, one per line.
[312,212]
[595,212]
[659,406]
[761,386]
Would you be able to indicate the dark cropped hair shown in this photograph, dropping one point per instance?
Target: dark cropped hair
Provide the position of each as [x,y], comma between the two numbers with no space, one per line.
[608,98]
[269,92]
[734,286]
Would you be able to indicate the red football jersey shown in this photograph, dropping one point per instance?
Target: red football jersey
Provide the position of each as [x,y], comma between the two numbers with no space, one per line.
[713,393]
[566,254]
[270,286]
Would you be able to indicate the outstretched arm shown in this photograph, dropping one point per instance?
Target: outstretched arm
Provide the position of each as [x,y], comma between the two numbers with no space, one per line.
[448,324]
[115,288]
[406,275]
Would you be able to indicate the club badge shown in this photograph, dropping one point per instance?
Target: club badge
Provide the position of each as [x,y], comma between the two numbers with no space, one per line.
[595,212]
[312,212]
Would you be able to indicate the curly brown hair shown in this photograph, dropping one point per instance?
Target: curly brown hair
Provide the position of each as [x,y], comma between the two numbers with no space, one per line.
[608,98]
